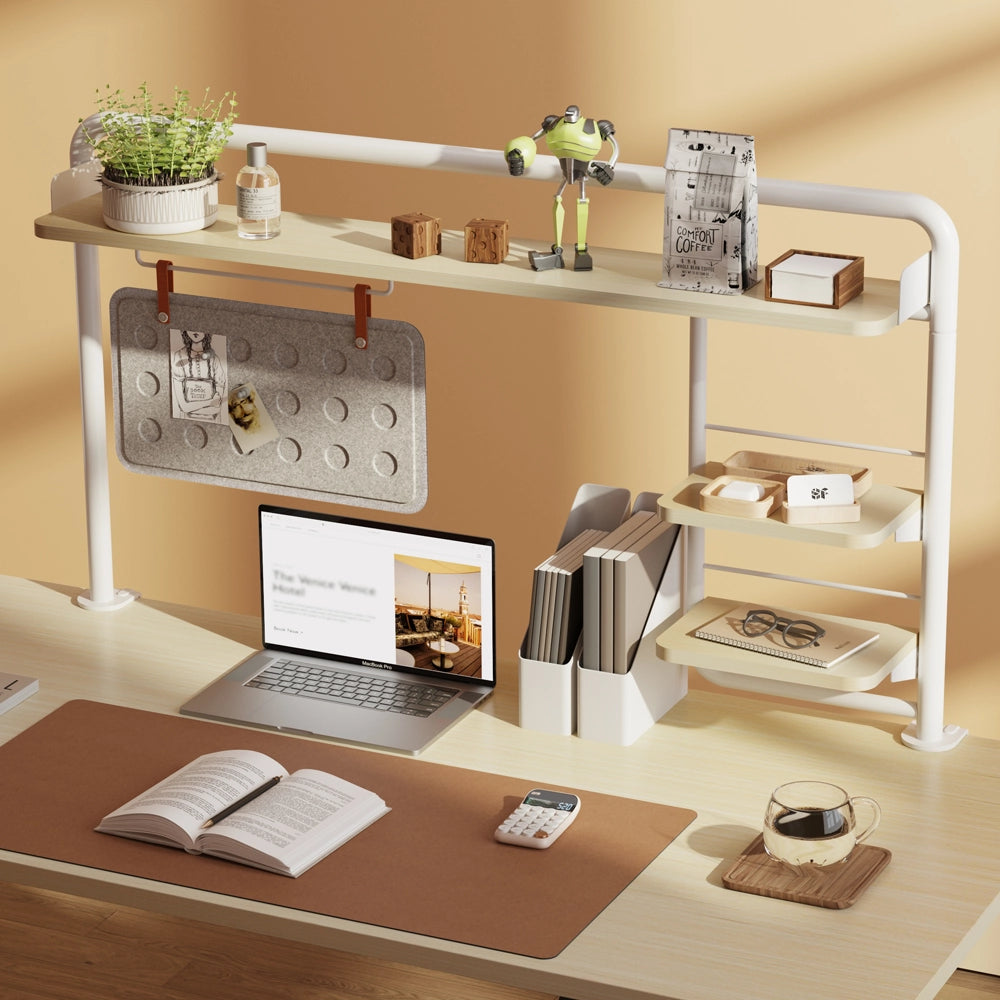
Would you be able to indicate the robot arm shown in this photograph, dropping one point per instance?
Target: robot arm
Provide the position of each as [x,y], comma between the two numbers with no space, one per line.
[604,171]
[520,152]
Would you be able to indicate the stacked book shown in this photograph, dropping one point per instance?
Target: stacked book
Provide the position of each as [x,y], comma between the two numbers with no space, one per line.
[621,576]
[600,585]
[556,617]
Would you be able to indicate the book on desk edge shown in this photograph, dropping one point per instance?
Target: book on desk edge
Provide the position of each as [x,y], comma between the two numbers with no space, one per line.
[839,642]
[297,821]
[14,688]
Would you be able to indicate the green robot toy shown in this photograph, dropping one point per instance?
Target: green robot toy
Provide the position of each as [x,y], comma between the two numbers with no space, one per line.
[575,141]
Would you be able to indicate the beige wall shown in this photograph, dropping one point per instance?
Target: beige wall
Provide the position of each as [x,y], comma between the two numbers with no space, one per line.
[527,399]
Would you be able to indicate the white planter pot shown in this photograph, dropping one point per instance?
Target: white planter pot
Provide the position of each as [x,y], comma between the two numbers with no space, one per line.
[177,208]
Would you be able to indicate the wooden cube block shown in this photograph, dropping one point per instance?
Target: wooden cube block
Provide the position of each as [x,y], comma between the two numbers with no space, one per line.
[486,241]
[416,235]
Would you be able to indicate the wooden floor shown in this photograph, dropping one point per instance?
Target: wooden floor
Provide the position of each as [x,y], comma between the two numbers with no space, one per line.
[56,947]
[468,660]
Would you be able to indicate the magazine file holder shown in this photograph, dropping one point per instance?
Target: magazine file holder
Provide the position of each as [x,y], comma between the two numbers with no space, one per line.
[547,699]
[619,708]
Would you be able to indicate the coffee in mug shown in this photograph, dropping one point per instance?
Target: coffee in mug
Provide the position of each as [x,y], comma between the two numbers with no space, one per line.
[814,822]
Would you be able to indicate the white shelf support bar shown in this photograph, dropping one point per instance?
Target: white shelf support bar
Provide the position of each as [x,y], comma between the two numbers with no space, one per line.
[693,576]
[321,285]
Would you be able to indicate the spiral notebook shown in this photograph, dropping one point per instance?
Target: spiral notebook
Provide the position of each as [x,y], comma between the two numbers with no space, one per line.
[838,642]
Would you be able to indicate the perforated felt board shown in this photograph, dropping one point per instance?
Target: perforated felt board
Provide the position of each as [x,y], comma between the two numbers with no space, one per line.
[270,398]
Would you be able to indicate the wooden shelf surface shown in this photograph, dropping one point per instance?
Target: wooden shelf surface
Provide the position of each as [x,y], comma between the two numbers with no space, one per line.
[860,672]
[884,509]
[357,248]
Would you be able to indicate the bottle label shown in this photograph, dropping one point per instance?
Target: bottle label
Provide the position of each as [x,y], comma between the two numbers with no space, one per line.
[257,204]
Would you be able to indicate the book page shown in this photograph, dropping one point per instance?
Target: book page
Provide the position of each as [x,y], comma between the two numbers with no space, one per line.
[295,823]
[174,809]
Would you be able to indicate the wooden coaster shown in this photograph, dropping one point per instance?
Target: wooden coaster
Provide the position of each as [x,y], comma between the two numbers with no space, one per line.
[834,886]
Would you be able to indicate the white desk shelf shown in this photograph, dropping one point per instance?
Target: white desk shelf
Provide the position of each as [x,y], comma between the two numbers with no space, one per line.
[624,279]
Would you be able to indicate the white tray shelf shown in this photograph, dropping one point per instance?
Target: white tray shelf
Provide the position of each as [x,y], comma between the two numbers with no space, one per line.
[860,672]
[623,278]
[884,510]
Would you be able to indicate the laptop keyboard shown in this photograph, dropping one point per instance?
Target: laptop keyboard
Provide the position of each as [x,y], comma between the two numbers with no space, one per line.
[381,694]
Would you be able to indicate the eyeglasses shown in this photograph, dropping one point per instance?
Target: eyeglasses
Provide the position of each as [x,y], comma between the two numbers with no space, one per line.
[798,633]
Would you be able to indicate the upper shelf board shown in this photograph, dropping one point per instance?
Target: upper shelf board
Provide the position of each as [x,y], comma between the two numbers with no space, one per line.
[357,248]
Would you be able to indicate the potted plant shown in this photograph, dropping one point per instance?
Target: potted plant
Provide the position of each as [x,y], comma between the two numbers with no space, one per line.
[158,160]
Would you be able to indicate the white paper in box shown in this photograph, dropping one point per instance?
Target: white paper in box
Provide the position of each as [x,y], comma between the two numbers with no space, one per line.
[710,212]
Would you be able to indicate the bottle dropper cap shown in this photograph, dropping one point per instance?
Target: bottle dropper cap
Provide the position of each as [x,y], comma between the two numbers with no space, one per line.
[257,154]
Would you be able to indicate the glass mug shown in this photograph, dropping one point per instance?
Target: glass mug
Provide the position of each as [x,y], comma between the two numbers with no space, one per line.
[813,822]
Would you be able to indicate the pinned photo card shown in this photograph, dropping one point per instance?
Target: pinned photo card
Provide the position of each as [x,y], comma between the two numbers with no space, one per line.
[249,421]
[198,375]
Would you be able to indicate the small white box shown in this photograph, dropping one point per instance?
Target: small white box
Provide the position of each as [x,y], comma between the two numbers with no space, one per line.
[820,490]
[802,277]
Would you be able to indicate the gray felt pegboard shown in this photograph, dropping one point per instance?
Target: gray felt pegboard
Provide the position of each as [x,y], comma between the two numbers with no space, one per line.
[347,425]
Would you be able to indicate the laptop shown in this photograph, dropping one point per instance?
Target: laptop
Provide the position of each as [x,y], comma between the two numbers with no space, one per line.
[374,634]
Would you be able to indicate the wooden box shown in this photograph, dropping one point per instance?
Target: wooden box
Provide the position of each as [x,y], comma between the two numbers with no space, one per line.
[486,241]
[835,514]
[762,465]
[804,277]
[416,235]
[712,503]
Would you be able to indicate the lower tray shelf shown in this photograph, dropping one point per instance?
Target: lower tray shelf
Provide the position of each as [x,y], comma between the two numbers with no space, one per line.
[860,672]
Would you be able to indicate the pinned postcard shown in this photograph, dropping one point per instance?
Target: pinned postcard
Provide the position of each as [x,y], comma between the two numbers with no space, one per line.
[249,421]
[198,375]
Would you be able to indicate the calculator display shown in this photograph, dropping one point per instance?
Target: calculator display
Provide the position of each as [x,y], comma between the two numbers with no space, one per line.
[551,800]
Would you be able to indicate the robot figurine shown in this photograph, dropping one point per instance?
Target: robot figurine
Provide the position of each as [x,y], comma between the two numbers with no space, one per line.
[575,141]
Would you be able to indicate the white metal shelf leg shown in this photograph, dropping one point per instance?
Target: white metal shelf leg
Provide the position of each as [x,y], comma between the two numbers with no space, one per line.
[694,538]
[928,731]
[102,595]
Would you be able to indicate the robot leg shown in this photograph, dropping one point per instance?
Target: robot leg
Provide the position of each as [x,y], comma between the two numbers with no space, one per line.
[583,260]
[548,261]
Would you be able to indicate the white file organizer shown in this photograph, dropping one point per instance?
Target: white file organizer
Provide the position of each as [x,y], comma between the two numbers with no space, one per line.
[547,701]
[562,698]
[619,708]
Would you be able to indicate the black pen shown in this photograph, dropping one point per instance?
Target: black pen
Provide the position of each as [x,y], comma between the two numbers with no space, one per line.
[240,803]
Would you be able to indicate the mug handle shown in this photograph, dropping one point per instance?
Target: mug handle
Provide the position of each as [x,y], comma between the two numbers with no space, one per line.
[876,817]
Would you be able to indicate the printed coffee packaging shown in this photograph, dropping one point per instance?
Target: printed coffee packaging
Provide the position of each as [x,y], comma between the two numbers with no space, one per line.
[710,212]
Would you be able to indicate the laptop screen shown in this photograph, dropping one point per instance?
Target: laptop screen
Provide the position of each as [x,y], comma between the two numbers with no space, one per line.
[378,594]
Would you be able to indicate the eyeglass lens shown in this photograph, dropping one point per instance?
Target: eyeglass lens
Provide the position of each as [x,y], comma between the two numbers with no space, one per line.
[796,634]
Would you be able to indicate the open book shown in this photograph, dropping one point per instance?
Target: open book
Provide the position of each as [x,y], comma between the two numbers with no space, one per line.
[243,806]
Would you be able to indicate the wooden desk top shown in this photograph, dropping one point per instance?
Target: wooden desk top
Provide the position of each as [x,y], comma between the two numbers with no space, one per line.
[675,932]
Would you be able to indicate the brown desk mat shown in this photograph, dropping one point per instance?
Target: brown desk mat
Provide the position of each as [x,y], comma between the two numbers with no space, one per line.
[836,886]
[430,866]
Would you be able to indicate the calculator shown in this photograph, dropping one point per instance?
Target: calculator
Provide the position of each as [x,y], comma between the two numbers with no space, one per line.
[540,819]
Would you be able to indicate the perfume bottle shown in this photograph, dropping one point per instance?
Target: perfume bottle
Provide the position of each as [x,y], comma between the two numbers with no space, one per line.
[258,196]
